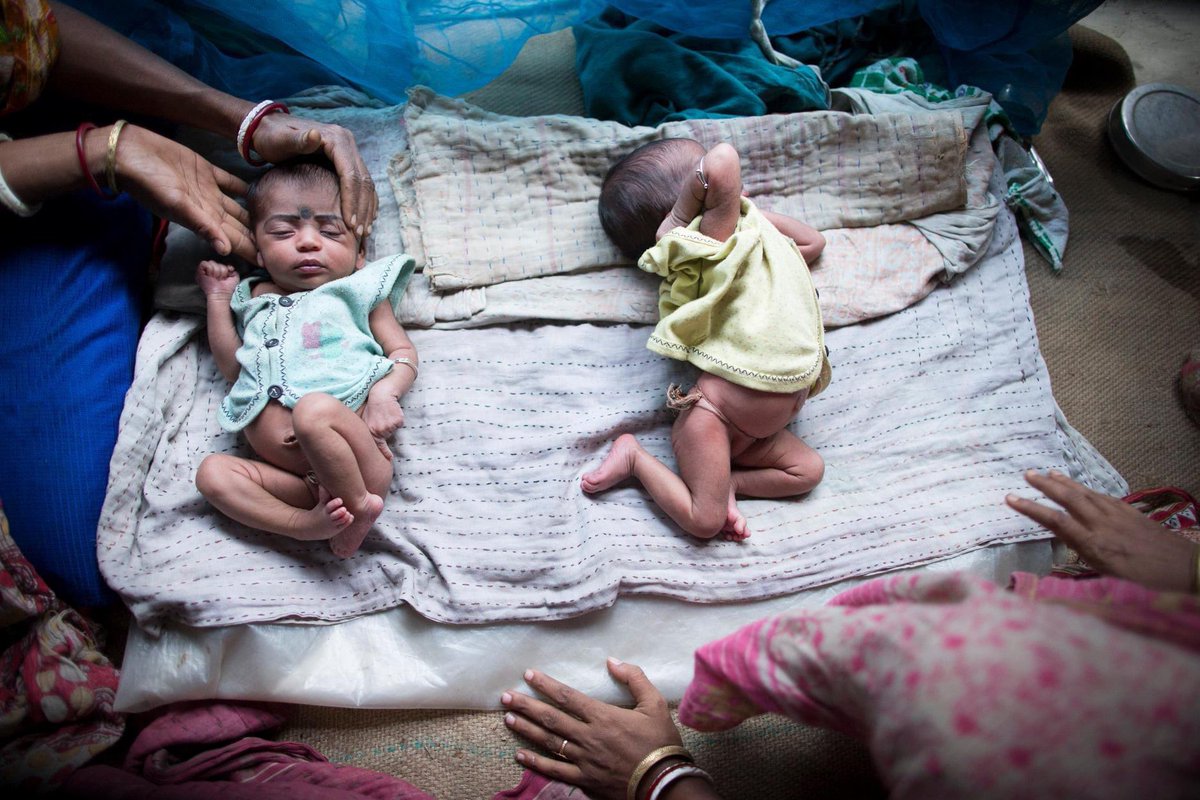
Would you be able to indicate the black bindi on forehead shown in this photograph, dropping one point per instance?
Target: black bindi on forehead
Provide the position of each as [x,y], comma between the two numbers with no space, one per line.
[306,212]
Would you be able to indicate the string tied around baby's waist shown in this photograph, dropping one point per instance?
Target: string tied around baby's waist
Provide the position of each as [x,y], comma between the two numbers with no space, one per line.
[678,400]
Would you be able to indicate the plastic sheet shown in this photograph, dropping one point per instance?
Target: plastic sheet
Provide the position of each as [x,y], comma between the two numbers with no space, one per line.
[398,659]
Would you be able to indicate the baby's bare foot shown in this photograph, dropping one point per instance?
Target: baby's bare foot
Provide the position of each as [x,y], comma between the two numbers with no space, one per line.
[323,521]
[347,542]
[616,467]
[736,529]
[338,514]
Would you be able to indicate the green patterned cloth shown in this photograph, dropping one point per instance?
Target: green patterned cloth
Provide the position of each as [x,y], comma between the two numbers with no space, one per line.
[1030,192]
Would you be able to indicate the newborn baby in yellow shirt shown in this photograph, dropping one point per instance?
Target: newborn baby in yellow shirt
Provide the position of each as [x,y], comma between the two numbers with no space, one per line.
[736,301]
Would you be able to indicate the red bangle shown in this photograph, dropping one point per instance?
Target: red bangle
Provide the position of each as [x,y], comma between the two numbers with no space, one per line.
[80,138]
[248,139]
[658,779]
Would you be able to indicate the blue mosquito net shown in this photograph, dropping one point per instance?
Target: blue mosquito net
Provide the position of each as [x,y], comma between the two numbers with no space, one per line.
[1016,49]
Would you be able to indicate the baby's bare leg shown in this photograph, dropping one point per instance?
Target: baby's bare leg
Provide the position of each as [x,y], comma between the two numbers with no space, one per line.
[696,498]
[347,461]
[781,465]
[267,498]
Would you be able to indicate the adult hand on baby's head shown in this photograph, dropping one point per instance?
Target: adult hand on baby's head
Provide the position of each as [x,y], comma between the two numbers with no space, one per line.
[283,136]
[177,184]
[603,743]
[1110,535]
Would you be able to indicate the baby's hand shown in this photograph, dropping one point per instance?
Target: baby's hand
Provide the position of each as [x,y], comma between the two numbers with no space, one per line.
[216,278]
[383,415]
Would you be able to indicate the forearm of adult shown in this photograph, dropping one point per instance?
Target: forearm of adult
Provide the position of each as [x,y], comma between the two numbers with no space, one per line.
[98,65]
[42,167]
[688,787]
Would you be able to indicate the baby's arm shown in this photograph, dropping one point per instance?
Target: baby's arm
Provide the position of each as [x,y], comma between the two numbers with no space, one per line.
[714,191]
[807,238]
[218,282]
[383,414]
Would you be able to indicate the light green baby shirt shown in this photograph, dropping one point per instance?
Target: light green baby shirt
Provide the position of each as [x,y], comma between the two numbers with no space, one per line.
[744,309]
[315,341]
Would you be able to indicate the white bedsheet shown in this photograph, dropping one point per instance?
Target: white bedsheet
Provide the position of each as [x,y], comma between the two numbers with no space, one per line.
[932,415]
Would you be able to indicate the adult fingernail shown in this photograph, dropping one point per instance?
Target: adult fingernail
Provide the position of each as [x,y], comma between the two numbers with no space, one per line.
[354,221]
[528,675]
[616,662]
[1010,498]
[506,698]
[509,719]
[358,231]
[521,757]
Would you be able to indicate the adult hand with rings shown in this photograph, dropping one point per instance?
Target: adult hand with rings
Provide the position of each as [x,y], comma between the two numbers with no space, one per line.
[597,746]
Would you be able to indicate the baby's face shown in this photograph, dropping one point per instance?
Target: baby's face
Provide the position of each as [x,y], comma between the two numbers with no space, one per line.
[302,241]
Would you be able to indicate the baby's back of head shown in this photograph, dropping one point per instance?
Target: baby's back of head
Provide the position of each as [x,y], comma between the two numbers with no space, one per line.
[640,189]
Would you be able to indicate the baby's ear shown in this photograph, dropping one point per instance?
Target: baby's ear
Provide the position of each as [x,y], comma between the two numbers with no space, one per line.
[362,255]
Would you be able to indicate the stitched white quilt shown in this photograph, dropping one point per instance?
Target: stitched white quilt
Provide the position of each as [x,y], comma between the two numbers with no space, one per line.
[932,415]
[501,211]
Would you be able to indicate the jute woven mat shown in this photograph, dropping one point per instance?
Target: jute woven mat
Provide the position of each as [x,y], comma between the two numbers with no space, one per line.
[1115,325]
[1118,321]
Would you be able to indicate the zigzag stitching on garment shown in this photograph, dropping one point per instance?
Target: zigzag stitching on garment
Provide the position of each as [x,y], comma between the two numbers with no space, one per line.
[737,370]
[257,374]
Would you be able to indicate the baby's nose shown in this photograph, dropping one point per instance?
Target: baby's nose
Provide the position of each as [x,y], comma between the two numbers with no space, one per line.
[308,238]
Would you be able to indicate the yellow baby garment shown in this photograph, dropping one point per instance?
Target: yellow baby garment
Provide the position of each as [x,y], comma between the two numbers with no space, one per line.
[744,309]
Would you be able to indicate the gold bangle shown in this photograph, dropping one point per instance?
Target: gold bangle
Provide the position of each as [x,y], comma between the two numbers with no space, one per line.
[110,164]
[647,764]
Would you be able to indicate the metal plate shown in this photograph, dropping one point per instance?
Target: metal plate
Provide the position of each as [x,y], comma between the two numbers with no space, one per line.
[1156,131]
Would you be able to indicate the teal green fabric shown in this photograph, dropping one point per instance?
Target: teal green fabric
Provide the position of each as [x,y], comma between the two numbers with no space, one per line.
[315,341]
[638,73]
[1041,212]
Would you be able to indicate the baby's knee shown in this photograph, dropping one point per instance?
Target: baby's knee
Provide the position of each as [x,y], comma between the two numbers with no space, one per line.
[707,522]
[212,477]
[315,409]
[809,471]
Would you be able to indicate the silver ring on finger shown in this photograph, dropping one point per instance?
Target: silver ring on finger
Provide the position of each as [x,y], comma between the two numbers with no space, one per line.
[562,750]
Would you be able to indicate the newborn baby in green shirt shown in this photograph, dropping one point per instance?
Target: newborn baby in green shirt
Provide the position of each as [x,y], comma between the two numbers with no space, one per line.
[318,363]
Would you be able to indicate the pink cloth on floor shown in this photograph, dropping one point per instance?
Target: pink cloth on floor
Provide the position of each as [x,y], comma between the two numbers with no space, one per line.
[1170,616]
[538,787]
[960,689]
[56,687]
[162,762]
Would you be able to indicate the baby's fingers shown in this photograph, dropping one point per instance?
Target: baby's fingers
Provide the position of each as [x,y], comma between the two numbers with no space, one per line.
[384,448]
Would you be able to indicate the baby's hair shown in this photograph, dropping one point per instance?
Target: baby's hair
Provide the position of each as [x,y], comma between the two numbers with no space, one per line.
[302,172]
[640,190]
